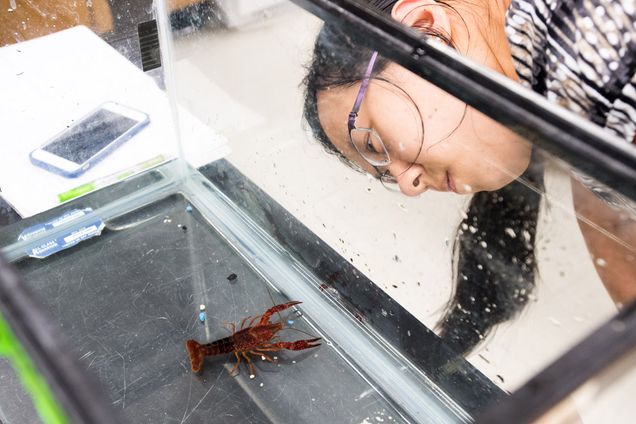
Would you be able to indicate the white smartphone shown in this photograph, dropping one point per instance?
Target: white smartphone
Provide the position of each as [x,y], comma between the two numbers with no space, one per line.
[80,146]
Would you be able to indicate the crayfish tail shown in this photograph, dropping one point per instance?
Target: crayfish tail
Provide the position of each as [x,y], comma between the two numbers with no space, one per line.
[196,353]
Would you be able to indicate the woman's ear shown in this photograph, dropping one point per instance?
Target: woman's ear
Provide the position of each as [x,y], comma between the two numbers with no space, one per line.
[420,14]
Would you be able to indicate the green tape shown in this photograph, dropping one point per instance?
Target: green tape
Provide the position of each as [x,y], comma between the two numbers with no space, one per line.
[34,384]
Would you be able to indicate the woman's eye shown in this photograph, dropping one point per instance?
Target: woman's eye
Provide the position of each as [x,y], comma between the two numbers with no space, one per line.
[370,146]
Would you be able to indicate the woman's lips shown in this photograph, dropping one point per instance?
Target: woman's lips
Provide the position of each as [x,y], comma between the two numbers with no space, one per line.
[450,183]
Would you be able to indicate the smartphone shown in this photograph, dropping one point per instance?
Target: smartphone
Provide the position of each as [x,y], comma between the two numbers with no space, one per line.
[91,138]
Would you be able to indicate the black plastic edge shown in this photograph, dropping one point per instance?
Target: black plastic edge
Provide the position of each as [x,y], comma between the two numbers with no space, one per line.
[584,145]
[595,353]
[80,396]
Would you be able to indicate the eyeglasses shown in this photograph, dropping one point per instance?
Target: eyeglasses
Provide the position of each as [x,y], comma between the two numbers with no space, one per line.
[367,141]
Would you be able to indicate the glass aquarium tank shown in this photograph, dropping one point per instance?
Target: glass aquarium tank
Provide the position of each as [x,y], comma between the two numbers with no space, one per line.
[300,211]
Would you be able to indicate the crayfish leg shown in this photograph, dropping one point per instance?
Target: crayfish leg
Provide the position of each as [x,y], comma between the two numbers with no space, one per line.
[249,364]
[262,355]
[238,361]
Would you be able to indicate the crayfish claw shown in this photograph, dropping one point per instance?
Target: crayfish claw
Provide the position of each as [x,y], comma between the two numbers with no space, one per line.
[311,343]
[274,309]
[298,344]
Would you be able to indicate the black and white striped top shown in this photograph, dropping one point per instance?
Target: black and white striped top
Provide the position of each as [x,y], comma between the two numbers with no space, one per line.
[580,54]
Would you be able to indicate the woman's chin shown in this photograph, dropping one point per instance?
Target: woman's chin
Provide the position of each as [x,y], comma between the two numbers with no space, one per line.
[503,181]
[492,184]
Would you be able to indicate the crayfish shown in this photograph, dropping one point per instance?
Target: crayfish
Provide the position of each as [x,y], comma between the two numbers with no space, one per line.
[250,339]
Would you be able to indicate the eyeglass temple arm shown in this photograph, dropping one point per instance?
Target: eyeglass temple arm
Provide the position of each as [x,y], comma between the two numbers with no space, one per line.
[363,89]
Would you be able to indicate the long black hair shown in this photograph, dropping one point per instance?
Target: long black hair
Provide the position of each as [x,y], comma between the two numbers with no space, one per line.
[494,262]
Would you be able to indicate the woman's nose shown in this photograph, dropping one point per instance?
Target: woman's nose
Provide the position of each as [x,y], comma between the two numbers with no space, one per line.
[410,179]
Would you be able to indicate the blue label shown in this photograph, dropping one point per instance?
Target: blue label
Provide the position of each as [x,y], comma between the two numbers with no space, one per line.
[68,239]
[38,229]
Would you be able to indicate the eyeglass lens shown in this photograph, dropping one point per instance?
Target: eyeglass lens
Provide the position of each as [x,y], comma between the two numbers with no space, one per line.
[369,145]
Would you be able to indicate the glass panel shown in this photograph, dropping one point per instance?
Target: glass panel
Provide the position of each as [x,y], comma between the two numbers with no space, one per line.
[509,276]
[431,303]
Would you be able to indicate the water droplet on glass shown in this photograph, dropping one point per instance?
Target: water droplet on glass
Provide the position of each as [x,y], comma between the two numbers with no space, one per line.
[483,244]
[511,232]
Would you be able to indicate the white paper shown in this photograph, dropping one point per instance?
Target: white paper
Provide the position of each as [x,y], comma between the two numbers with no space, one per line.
[48,82]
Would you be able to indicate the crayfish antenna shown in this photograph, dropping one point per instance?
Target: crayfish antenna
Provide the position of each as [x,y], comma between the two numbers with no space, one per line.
[196,355]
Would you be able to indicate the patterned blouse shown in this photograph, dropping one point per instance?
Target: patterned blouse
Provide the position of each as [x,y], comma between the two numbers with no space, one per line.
[580,54]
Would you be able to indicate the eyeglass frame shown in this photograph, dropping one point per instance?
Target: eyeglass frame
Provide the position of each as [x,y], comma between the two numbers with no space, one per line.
[385,176]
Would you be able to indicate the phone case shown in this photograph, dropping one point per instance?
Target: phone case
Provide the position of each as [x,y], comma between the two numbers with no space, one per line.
[96,158]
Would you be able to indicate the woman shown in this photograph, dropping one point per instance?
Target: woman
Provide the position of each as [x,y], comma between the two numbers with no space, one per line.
[384,120]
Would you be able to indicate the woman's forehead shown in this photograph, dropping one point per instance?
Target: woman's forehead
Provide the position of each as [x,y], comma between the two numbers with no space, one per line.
[334,105]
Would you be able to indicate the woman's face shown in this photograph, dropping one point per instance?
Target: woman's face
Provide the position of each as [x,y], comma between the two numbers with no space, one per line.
[445,146]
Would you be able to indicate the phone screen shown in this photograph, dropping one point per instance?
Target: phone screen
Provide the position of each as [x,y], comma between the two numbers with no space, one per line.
[90,135]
